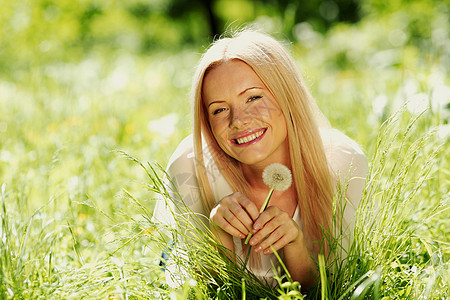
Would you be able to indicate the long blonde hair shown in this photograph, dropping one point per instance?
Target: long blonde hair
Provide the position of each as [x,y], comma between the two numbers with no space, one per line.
[276,69]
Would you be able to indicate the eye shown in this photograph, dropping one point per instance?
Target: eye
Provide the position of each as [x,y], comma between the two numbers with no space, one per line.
[219,110]
[253,98]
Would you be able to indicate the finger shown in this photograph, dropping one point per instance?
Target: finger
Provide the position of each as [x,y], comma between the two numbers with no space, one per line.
[235,221]
[248,205]
[223,224]
[265,231]
[218,218]
[241,214]
[238,204]
[279,238]
[272,238]
[281,243]
[275,220]
[265,217]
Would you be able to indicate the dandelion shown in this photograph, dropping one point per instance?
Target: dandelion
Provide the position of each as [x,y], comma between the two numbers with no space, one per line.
[277,177]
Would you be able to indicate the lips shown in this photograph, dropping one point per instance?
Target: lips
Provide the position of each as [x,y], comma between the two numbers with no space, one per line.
[250,138]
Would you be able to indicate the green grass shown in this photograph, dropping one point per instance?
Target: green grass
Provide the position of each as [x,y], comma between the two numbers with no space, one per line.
[392,254]
[75,212]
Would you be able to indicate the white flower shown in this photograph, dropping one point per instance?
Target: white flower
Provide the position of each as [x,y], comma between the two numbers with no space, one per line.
[277,177]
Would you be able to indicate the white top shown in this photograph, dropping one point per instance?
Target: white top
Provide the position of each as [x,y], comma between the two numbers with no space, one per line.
[345,158]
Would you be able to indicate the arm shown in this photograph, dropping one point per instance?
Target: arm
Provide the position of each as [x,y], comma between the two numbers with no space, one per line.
[299,262]
[350,166]
[225,239]
[233,216]
[182,186]
[170,212]
[275,227]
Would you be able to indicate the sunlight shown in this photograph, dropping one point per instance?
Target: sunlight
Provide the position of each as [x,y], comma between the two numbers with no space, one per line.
[164,126]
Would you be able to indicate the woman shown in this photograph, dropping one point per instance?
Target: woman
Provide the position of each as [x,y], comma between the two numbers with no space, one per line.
[251,108]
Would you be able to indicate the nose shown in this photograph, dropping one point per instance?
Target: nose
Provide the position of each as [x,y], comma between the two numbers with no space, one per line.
[239,117]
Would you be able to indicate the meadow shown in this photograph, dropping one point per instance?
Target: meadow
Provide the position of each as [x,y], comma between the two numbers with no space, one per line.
[75,211]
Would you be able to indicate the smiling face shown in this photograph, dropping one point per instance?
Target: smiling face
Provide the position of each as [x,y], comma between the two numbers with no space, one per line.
[245,118]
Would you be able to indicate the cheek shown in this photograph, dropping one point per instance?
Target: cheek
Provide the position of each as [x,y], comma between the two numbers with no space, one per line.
[266,109]
[218,127]
[279,121]
[284,132]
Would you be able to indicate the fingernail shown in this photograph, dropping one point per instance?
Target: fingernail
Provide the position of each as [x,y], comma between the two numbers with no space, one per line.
[258,249]
[266,252]
[252,242]
[242,236]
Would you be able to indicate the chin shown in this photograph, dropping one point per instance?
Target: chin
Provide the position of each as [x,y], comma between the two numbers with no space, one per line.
[250,160]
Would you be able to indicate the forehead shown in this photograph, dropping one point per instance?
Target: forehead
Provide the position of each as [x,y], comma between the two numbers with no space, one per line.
[228,80]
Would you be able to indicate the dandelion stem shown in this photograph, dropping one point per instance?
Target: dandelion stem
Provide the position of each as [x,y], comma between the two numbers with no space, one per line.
[248,255]
[263,208]
[266,202]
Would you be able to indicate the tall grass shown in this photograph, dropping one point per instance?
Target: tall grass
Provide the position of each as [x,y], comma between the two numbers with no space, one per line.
[75,220]
[68,231]
[389,256]
[400,247]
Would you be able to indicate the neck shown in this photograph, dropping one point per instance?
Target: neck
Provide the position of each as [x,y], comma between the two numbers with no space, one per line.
[253,175]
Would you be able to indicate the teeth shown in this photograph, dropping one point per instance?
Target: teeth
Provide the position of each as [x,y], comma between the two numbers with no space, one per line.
[249,138]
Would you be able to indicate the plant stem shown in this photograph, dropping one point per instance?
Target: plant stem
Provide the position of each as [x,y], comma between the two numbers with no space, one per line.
[248,255]
[263,208]
[323,277]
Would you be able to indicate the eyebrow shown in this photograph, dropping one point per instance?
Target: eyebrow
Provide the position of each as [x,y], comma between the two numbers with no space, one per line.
[250,88]
[240,94]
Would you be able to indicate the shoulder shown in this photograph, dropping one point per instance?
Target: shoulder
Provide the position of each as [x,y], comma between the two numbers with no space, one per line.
[182,158]
[182,175]
[182,169]
[345,157]
[182,187]
[179,171]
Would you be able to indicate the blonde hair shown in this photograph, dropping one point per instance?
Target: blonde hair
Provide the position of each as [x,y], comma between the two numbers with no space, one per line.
[276,69]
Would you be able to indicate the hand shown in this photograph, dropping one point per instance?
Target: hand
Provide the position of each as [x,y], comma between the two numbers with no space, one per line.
[274,227]
[235,215]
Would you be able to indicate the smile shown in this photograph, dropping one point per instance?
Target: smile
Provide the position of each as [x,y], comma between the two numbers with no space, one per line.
[250,138]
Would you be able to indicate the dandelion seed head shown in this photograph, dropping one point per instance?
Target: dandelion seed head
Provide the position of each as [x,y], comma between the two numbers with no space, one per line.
[277,176]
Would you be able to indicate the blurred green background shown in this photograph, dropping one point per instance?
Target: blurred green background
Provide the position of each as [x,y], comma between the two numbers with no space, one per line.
[81,79]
